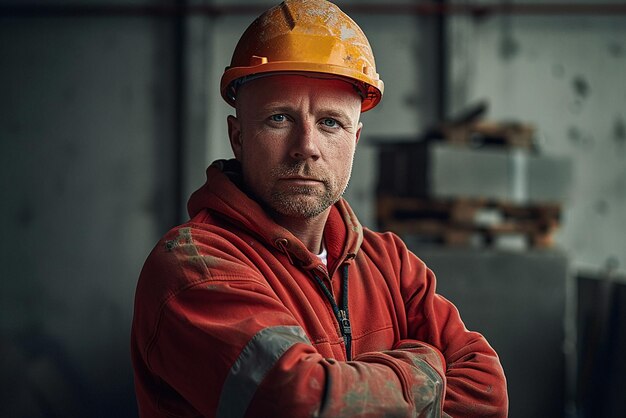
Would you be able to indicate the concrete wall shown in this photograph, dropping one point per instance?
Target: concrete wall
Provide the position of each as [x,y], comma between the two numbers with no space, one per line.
[567,76]
[86,179]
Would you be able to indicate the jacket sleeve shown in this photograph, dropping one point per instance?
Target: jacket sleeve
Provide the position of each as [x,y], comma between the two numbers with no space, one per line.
[228,347]
[475,380]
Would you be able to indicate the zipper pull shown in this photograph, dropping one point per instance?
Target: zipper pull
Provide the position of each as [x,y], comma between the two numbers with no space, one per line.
[346,330]
[345,323]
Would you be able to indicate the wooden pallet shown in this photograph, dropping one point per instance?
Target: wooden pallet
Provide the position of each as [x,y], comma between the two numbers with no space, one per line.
[459,222]
[520,135]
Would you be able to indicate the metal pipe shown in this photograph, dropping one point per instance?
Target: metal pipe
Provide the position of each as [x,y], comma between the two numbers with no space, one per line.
[180,90]
[441,64]
[433,8]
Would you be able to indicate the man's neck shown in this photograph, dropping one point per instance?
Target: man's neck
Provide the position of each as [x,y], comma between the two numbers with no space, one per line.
[310,230]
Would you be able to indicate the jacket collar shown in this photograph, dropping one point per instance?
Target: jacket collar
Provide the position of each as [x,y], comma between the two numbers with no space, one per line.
[222,195]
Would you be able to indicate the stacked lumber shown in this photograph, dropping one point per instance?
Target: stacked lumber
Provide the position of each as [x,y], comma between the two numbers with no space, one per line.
[469,221]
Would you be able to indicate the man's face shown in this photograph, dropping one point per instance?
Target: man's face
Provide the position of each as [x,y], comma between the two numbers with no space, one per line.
[295,137]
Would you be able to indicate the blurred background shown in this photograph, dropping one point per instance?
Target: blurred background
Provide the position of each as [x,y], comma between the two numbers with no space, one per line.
[498,153]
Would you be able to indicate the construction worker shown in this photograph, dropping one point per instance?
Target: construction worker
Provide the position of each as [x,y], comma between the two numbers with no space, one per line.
[273,300]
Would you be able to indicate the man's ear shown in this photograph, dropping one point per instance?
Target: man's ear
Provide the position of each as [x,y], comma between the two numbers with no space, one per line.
[358,132]
[234,135]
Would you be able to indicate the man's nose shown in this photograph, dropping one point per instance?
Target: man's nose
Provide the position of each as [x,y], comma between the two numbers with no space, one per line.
[305,142]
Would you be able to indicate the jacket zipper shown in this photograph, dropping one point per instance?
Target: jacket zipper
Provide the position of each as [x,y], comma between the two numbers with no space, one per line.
[346,331]
[341,315]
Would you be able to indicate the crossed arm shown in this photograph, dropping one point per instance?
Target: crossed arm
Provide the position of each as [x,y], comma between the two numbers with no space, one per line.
[227,347]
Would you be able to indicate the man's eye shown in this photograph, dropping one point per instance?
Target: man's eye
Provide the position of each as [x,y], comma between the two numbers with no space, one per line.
[278,118]
[331,123]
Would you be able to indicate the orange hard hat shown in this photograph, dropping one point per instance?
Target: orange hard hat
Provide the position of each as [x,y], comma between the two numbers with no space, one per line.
[305,36]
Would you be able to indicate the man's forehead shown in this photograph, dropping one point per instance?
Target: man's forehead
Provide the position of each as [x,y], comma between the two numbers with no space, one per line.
[281,85]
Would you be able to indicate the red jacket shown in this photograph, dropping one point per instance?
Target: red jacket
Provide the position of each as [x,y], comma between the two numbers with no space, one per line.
[231,319]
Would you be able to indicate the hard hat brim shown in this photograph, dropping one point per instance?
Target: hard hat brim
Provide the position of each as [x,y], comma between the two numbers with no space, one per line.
[371,94]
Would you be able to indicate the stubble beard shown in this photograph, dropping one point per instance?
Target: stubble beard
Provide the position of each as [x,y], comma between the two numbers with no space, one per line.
[304,201]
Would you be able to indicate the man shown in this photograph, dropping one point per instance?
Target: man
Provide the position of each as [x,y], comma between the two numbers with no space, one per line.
[273,301]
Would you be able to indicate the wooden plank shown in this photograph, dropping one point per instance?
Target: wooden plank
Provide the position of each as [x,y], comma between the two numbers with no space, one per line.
[454,221]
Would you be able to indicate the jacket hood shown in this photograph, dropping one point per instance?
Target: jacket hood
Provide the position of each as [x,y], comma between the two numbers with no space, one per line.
[222,196]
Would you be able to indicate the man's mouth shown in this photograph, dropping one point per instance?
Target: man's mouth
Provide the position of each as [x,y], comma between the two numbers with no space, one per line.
[301,180]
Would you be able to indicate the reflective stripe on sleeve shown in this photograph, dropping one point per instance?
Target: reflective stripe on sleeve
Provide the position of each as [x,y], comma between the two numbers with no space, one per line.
[255,360]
